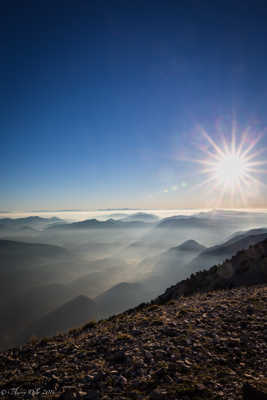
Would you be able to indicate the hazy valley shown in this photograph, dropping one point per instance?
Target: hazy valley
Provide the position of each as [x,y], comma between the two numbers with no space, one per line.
[97,268]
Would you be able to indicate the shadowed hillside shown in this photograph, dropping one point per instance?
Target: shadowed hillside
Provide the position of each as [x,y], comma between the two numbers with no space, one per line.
[23,309]
[70,315]
[219,253]
[247,267]
[19,254]
[120,297]
[169,266]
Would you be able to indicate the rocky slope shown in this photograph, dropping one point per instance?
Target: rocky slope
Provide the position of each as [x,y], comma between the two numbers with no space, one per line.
[209,345]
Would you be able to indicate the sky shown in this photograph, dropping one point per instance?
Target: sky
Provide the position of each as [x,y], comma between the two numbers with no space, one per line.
[104,103]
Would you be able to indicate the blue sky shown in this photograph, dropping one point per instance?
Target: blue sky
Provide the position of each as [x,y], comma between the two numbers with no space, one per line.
[102,100]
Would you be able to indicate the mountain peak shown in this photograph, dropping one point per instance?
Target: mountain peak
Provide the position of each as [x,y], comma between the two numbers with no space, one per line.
[190,245]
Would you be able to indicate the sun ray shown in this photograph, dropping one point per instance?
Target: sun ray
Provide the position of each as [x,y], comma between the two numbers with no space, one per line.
[255,163]
[214,145]
[233,144]
[210,154]
[243,141]
[251,146]
[258,171]
[225,145]
[255,154]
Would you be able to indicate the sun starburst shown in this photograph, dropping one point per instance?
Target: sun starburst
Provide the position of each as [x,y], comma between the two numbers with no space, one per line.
[232,167]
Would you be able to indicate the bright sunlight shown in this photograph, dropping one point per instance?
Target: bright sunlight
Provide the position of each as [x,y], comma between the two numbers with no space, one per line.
[232,167]
[230,170]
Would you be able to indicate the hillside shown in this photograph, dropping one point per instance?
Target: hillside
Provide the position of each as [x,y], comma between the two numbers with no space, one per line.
[247,267]
[22,309]
[193,342]
[15,254]
[120,297]
[219,253]
[169,266]
[71,314]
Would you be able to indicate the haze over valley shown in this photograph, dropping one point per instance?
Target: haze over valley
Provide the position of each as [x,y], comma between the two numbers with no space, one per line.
[101,266]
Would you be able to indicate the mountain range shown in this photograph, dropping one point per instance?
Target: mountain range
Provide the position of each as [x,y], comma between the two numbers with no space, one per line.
[96,224]
[31,223]
[219,253]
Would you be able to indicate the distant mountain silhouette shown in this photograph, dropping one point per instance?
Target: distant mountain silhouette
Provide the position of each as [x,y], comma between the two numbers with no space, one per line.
[168,266]
[117,215]
[143,217]
[179,221]
[104,273]
[15,254]
[70,315]
[96,224]
[243,234]
[26,265]
[33,222]
[219,253]
[247,267]
[172,230]
[189,245]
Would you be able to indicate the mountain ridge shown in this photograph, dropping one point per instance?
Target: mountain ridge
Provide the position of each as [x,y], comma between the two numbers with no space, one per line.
[218,253]
[239,270]
[97,224]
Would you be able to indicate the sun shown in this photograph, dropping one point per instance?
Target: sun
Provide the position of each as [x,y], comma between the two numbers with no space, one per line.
[232,167]
[230,170]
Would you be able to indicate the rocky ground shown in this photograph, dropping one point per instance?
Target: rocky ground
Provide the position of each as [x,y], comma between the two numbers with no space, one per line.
[208,346]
